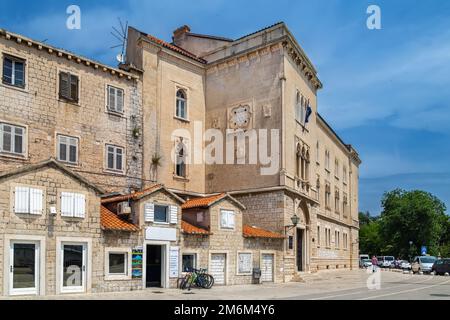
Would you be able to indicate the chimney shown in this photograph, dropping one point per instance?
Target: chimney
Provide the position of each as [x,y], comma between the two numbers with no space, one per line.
[179,34]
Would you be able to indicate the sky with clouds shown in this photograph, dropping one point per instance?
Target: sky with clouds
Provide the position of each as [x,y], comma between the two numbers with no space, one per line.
[385,91]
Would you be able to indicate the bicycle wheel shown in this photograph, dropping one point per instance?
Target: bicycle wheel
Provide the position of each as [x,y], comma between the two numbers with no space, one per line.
[209,281]
[202,281]
[185,282]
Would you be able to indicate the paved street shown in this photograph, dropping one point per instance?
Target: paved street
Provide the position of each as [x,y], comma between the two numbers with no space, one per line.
[324,286]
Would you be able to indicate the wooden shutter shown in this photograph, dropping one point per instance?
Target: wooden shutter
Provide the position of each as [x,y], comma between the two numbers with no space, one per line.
[111,99]
[36,201]
[149,212]
[64,88]
[119,100]
[21,202]
[74,88]
[67,201]
[173,214]
[79,205]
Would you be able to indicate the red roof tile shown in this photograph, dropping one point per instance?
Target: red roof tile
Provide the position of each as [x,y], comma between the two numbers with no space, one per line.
[188,228]
[131,196]
[202,202]
[176,49]
[254,232]
[110,221]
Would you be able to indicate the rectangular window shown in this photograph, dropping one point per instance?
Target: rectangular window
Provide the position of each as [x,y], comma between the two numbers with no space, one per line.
[115,99]
[161,213]
[245,263]
[14,71]
[227,219]
[344,174]
[73,205]
[336,168]
[117,263]
[28,200]
[68,86]
[114,158]
[291,243]
[12,139]
[67,149]
[318,236]
[189,262]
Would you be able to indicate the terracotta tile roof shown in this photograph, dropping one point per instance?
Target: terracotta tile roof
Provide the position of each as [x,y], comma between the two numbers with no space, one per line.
[202,202]
[131,196]
[254,232]
[188,228]
[110,221]
[175,48]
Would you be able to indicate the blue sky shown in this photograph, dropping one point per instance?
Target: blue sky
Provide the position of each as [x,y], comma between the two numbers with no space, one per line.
[385,91]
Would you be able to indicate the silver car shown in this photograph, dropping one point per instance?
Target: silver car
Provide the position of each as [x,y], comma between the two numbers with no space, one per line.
[423,264]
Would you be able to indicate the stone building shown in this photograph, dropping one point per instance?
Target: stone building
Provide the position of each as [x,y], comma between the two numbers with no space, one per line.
[126,148]
[215,237]
[55,104]
[262,81]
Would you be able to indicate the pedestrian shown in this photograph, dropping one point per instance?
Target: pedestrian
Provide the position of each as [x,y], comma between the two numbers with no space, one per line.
[374,263]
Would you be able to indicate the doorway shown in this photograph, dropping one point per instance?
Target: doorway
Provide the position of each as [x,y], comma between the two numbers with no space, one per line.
[300,250]
[24,268]
[73,271]
[154,266]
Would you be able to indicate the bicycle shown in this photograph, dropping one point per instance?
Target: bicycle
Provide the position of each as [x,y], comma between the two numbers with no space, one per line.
[198,278]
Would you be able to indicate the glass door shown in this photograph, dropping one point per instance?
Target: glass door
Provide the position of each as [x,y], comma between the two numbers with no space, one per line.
[73,259]
[24,268]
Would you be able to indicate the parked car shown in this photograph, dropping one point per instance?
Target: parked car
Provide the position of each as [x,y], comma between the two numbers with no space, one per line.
[363,257]
[405,265]
[423,264]
[441,266]
[366,263]
[386,261]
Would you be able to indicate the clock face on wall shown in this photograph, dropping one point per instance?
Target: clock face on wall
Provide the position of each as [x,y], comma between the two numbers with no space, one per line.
[240,117]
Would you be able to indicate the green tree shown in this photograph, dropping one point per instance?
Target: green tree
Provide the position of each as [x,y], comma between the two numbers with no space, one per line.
[369,237]
[415,216]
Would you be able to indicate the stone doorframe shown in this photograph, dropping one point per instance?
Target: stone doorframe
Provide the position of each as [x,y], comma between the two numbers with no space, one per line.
[303,212]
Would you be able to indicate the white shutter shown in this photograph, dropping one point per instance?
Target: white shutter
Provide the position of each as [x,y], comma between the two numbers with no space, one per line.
[21,203]
[231,219]
[173,214]
[67,204]
[223,219]
[149,212]
[36,201]
[80,205]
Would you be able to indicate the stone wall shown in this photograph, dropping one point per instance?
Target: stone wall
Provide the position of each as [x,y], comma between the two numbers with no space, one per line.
[38,108]
[51,227]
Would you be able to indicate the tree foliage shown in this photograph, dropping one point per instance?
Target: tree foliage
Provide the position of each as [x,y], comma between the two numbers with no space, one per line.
[408,216]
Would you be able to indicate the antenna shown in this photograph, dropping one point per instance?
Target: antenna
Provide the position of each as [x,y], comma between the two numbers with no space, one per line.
[121,34]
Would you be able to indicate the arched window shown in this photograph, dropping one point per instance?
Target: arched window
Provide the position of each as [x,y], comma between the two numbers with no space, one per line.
[181,155]
[298,159]
[181,111]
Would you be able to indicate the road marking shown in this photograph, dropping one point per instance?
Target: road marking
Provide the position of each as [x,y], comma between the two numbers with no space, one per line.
[405,291]
[358,292]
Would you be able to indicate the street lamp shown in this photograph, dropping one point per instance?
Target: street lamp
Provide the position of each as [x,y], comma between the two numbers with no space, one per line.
[295,220]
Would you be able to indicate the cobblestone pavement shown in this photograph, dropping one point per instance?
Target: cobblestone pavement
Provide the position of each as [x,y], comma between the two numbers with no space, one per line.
[347,285]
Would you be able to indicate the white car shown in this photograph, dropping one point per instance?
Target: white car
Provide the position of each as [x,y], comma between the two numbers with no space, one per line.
[423,264]
[366,263]
[405,265]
